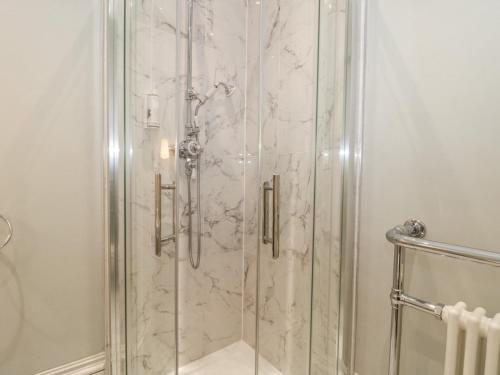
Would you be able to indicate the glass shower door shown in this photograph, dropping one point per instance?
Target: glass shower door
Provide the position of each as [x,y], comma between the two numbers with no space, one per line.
[150,204]
[253,220]
[287,160]
[285,263]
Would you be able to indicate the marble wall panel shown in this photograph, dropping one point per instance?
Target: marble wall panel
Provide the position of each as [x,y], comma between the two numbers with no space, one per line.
[210,298]
[210,312]
[287,119]
[151,283]
[217,302]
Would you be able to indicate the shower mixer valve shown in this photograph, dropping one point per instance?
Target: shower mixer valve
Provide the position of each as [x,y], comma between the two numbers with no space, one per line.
[190,148]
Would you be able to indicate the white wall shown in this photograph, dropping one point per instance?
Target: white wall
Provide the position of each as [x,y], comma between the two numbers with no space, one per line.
[51,133]
[431,152]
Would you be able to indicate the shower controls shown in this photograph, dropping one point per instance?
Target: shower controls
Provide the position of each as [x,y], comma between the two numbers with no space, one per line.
[275,238]
[8,237]
[190,148]
[159,188]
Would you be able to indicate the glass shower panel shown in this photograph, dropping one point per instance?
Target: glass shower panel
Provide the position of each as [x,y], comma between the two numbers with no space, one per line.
[253,114]
[210,295]
[172,300]
[151,134]
[328,187]
[287,159]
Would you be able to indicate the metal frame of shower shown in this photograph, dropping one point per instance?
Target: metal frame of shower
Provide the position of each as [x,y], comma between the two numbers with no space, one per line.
[353,136]
[411,236]
[113,160]
[114,155]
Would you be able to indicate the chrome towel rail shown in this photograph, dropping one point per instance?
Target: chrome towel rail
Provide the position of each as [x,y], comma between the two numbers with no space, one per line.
[9,235]
[411,236]
[408,236]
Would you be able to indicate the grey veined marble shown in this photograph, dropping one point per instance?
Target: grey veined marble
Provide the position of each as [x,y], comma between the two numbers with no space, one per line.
[267,51]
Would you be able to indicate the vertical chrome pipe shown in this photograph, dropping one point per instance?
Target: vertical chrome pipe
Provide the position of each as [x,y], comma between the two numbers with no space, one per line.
[173,187]
[397,310]
[266,238]
[158,214]
[191,147]
[189,65]
[275,238]
[276,216]
[195,263]
[200,217]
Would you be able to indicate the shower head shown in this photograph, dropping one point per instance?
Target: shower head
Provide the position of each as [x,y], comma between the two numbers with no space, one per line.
[202,99]
[228,89]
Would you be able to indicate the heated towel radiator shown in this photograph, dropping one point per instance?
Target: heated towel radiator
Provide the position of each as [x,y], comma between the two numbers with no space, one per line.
[474,324]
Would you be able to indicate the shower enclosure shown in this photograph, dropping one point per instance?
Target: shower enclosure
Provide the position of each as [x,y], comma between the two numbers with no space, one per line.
[232,185]
[208,152]
[252,164]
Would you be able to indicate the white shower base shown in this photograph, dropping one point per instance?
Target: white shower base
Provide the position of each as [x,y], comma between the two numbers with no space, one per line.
[235,359]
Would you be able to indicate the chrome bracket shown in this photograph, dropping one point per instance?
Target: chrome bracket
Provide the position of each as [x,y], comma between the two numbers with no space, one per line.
[395,298]
[415,228]
[400,299]
[191,94]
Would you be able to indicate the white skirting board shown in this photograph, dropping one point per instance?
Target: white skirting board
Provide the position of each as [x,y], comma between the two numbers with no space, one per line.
[93,365]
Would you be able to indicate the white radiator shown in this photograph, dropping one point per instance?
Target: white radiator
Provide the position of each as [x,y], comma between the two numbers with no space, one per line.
[463,340]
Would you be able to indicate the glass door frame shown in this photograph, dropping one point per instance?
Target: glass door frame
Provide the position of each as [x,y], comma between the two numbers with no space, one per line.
[115,185]
[351,195]
[114,116]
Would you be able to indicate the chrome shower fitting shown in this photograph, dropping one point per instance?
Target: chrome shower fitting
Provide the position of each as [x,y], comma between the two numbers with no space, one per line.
[190,149]
[229,89]
[202,100]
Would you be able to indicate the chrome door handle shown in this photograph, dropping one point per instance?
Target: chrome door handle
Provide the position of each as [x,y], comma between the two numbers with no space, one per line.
[159,188]
[275,238]
[9,235]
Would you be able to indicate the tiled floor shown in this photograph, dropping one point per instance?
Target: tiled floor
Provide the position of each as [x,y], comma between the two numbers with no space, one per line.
[236,359]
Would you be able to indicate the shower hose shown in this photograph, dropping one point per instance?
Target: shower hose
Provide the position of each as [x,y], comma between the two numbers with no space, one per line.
[194,263]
